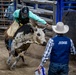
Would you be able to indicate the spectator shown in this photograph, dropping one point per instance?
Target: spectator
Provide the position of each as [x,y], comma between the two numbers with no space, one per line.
[9,11]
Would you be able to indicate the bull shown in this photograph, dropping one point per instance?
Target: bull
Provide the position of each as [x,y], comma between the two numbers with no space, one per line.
[24,36]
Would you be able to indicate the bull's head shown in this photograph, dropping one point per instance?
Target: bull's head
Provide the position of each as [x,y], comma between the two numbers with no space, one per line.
[39,36]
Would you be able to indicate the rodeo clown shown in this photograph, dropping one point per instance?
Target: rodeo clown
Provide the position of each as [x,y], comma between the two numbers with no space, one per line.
[22,17]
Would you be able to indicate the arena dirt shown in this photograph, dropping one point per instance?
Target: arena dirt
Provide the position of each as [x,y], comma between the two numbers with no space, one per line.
[32,57]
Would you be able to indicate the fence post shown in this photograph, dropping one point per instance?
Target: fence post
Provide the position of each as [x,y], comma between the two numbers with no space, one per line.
[54,13]
[62,8]
[59,11]
[15,4]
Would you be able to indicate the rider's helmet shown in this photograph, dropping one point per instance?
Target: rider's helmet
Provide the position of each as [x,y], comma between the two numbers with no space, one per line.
[24,11]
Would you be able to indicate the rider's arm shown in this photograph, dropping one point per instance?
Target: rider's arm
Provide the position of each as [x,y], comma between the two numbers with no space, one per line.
[16,15]
[36,18]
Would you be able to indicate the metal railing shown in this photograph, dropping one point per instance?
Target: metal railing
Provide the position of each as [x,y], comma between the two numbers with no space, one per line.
[3,20]
[48,15]
[44,7]
[65,6]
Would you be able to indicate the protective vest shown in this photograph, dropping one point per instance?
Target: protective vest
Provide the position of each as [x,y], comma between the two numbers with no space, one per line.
[61,50]
[23,20]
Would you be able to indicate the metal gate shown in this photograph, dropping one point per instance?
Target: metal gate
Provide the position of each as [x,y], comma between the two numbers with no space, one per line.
[65,6]
[67,13]
[3,19]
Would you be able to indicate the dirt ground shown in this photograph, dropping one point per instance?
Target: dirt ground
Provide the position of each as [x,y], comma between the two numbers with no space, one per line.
[32,58]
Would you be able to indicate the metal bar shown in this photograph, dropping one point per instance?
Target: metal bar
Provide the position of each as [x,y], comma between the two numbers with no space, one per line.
[36,6]
[70,6]
[54,13]
[69,10]
[5,5]
[6,1]
[42,11]
[41,2]
[61,13]
[15,6]
[58,10]
[69,2]
[6,13]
